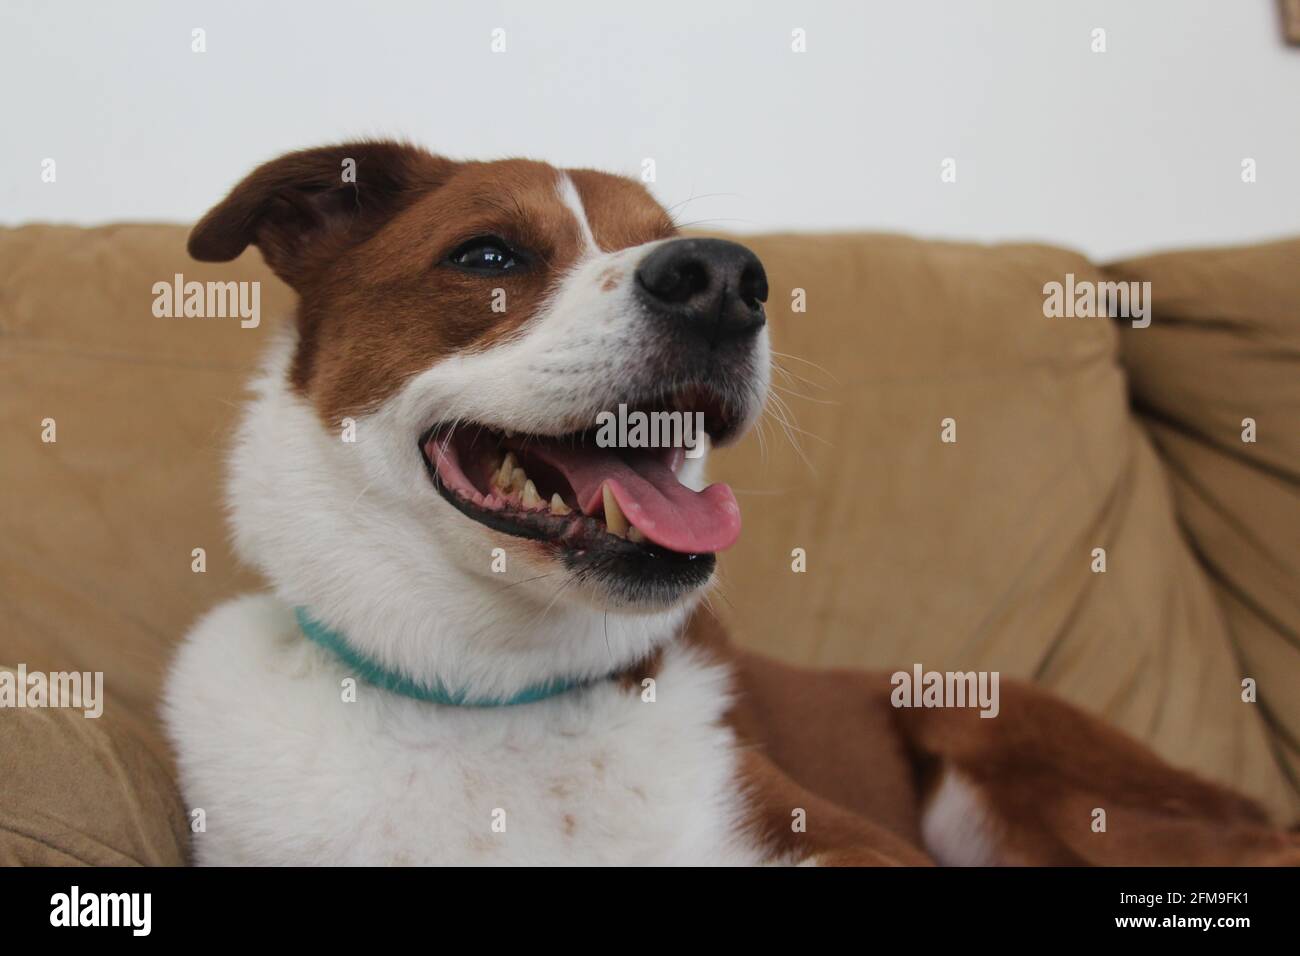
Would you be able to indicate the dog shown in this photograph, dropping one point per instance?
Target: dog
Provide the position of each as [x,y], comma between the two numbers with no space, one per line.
[486,641]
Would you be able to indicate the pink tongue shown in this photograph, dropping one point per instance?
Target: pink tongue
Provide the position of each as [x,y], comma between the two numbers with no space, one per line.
[654,501]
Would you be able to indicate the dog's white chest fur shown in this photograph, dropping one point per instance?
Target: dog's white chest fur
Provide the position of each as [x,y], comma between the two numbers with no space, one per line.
[288,772]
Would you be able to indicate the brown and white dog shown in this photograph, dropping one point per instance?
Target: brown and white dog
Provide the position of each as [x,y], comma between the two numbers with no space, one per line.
[486,644]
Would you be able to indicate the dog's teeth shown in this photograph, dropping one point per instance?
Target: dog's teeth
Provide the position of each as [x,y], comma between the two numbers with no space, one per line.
[517,481]
[558,507]
[531,499]
[615,520]
[634,534]
[507,469]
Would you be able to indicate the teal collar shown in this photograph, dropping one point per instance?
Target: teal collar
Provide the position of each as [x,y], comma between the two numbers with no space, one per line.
[372,672]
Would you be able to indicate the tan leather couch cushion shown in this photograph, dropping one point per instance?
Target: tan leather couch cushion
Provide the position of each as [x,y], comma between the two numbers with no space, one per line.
[974,554]
[85,791]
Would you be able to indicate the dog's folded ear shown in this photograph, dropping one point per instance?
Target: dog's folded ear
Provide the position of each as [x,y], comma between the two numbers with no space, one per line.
[307,207]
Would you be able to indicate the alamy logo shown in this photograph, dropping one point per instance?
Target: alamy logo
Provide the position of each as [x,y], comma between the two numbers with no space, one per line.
[922,688]
[75,908]
[638,429]
[84,691]
[1084,299]
[209,300]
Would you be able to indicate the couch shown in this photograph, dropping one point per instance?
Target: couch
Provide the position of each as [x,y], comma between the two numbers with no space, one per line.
[869,541]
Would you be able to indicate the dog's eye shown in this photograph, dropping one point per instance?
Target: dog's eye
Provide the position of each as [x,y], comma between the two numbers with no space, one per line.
[484,254]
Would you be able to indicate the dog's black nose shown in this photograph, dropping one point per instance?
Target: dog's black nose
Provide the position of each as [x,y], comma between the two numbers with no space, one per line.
[711,287]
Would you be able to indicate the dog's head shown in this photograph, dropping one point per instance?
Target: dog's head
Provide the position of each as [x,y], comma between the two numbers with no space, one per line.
[468,337]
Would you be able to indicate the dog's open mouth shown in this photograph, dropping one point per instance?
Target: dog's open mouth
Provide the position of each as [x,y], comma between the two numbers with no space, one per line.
[575,493]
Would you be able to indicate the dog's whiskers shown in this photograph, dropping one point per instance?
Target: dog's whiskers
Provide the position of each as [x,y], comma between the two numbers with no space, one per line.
[539,577]
[796,358]
[560,590]
[362,492]
[793,377]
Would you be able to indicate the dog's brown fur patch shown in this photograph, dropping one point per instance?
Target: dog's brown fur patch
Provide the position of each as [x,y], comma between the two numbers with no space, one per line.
[831,743]
[378,303]
[621,212]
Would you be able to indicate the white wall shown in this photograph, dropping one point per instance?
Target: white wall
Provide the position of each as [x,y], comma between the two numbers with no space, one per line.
[1136,148]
